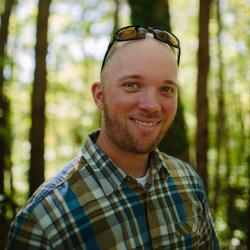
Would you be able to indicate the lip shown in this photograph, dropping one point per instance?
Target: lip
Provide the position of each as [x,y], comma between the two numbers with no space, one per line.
[146,125]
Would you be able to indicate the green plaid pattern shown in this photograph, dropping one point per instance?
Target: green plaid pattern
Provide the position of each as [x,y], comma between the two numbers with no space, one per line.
[92,204]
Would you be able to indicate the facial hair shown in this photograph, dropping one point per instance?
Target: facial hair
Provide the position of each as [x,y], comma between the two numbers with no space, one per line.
[120,135]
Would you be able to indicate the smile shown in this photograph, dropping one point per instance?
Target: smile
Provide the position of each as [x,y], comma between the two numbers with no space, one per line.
[146,124]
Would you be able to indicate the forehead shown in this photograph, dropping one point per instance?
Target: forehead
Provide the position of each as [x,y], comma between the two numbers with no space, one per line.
[149,43]
[144,54]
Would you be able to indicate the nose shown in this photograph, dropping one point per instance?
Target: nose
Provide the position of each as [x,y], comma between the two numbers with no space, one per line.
[149,102]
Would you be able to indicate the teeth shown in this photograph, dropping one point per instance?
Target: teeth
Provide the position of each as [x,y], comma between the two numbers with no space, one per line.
[148,124]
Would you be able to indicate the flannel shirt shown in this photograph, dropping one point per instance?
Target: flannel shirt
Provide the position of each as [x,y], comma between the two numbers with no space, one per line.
[92,204]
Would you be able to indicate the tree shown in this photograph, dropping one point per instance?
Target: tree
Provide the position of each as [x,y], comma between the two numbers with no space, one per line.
[5,135]
[37,132]
[221,116]
[5,128]
[201,94]
[116,14]
[156,13]
[248,206]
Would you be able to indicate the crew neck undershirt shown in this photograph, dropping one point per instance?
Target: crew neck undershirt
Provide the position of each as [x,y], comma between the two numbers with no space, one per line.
[143,180]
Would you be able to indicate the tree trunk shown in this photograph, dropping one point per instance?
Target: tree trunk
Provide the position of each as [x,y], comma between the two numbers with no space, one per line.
[220,129]
[156,13]
[116,15]
[201,95]
[248,208]
[5,131]
[37,132]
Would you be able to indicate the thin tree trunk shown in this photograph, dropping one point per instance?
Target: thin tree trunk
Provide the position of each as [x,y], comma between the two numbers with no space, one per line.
[230,215]
[220,130]
[5,128]
[248,162]
[248,208]
[116,15]
[37,132]
[156,13]
[5,134]
[9,169]
[5,17]
[201,95]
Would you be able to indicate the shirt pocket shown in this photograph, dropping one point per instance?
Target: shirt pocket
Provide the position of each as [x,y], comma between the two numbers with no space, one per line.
[190,226]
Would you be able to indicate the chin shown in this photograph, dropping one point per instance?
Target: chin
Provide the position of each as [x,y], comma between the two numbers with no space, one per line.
[145,149]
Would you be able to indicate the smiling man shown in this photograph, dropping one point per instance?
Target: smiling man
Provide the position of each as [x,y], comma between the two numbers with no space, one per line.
[121,192]
[138,99]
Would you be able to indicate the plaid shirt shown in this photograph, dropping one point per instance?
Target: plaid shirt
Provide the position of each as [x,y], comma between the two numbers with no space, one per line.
[92,204]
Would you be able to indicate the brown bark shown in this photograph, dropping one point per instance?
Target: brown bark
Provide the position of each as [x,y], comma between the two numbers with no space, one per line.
[116,15]
[5,140]
[37,132]
[3,36]
[220,129]
[5,131]
[201,95]
[248,208]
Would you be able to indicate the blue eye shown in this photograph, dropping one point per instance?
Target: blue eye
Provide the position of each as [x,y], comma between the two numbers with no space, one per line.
[132,85]
[168,89]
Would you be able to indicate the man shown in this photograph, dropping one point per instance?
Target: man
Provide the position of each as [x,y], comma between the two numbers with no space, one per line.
[121,192]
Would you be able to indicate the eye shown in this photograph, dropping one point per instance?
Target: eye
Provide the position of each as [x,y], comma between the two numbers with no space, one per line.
[130,86]
[168,89]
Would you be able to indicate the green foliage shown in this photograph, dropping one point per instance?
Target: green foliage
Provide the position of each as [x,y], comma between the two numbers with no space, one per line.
[1,7]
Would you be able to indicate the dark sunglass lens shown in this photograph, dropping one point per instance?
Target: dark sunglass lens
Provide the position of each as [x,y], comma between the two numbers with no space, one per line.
[130,33]
[167,37]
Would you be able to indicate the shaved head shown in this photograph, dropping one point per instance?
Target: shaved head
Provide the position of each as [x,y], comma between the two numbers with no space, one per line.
[126,45]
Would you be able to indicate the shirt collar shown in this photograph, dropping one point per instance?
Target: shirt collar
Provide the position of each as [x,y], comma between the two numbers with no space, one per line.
[110,176]
[157,167]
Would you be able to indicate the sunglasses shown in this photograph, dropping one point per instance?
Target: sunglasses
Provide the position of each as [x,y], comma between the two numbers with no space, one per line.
[135,32]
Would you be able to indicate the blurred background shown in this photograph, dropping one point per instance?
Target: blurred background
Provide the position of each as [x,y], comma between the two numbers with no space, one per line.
[50,54]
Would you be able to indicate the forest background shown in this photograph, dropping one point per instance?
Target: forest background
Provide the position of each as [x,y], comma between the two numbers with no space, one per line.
[50,54]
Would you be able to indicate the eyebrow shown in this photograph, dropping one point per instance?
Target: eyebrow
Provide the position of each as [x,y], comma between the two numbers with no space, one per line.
[135,76]
[170,82]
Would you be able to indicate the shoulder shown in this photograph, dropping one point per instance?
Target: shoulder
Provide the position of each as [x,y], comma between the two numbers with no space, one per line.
[51,204]
[57,185]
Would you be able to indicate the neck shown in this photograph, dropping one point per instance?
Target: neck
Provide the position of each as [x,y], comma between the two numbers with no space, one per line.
[135,165]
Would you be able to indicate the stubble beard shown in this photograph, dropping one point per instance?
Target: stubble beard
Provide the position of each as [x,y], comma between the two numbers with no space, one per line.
[120,135]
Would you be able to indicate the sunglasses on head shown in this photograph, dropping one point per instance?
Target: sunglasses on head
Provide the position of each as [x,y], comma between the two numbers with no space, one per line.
[135,32]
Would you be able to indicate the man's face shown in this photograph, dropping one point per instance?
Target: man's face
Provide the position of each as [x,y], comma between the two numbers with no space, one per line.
[139,96]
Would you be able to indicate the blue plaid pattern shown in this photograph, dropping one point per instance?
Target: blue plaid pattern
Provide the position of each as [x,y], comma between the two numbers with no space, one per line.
[92,204]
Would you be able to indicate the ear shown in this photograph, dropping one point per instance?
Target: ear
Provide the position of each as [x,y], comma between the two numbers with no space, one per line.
[98,94]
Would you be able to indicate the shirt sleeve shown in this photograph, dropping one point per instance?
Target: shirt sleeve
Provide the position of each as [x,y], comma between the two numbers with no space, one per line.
[25,233]
[208,236]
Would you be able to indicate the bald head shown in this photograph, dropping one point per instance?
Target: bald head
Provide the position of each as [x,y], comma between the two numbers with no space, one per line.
[146,53]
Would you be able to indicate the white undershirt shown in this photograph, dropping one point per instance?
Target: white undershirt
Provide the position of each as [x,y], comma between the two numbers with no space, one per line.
[143,180]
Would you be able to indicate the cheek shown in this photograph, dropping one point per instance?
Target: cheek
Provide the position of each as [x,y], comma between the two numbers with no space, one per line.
[170,108]
[121,103]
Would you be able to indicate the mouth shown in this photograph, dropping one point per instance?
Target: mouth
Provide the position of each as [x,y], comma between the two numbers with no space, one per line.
[145,123]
